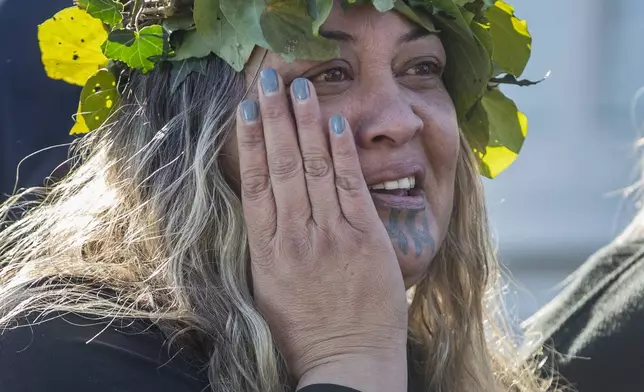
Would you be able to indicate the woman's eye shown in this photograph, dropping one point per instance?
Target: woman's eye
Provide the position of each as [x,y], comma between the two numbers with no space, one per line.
[335,75]
[424,69]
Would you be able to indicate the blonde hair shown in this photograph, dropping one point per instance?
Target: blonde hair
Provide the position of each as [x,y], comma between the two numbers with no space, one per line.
[635,230]
[147,225]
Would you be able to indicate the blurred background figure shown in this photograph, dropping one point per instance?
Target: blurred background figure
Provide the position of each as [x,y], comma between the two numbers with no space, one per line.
[35,111]
[585,139]
[595,324]
[561,201]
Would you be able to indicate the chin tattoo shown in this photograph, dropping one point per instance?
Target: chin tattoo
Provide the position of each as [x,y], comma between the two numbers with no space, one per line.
[413,224]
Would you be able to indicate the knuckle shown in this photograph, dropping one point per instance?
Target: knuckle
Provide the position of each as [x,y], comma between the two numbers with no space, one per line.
[349,183]
[274,113]
[307,118]
[345,155]
[255,183]
[296,247]
[284,164]
[251,139]
[261,229]
[317,164]
[325,241]
[260,246]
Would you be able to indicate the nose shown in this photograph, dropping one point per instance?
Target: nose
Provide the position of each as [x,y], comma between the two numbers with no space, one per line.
[387,119]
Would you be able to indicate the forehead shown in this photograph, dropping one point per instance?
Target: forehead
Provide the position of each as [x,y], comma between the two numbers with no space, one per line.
[366,19]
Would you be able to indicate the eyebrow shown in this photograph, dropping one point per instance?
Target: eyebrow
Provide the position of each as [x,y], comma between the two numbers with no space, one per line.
[413,35]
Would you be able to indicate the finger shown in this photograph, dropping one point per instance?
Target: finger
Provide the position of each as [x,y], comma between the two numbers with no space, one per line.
[257,196]
[353,195]
[283,151]
[316,156]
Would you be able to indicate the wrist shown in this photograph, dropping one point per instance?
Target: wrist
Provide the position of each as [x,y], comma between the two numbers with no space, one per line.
[385,372]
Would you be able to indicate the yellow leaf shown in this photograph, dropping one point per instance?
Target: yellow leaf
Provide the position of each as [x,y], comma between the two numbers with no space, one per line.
[98,99]
[70,43]
[81,126]
[499,158]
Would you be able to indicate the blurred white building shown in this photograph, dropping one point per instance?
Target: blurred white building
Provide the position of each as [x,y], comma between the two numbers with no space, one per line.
[560,201]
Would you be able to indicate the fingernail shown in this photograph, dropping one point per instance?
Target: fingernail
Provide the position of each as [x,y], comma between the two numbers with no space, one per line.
[337,124]
[249,110]
[301,89]
[268,79]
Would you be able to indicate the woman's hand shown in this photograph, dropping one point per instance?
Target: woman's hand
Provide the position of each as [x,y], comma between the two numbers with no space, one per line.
[325,274]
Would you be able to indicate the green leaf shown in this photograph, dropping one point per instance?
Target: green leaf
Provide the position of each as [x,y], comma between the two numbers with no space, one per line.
[482,33]
[220,36]
[207,17]
[193,45]
[477,7]
[469,66]
[383,5]
[182,69]
[476,128]
[486,3]
[98,99]
[508,129]
[245,18]
[178,22]
[123,37]
[505,129]
[108,11]
[421,19]
[512,41]
[289,31]
[319,11]
[140,49]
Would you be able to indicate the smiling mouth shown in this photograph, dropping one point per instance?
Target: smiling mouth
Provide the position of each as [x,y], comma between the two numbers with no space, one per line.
[400,194]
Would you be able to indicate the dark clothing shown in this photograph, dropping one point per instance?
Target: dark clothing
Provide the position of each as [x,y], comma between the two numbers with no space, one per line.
[596,325]
[35,111]
[327,388]
[74,353]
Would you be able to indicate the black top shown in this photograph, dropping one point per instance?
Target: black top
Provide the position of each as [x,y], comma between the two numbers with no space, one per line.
[74,353]
[597,323]
[35,111]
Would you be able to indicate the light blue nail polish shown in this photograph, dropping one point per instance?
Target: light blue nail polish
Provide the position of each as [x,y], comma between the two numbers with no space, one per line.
[250,110]
[301,89]
[268,79]
[337,124]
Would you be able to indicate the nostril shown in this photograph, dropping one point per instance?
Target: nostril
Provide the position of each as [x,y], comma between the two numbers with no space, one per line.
[379,138]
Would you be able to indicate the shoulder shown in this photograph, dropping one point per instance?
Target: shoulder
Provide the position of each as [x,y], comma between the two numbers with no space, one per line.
[73,352]
[594,324]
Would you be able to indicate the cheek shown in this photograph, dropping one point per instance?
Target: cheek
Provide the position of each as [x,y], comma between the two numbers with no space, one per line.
[441,137]
[441,144]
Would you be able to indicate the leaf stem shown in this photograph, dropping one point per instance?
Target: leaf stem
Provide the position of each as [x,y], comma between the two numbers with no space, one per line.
[136,12]
[256,76]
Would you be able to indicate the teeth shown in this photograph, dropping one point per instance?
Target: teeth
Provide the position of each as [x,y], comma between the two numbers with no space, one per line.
[389,185]
[403,183]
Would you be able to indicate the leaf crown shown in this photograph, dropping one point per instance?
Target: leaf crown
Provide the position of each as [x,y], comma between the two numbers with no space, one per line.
[92,42]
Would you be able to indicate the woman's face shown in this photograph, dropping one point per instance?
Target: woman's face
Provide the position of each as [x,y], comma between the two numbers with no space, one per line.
[387,82]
